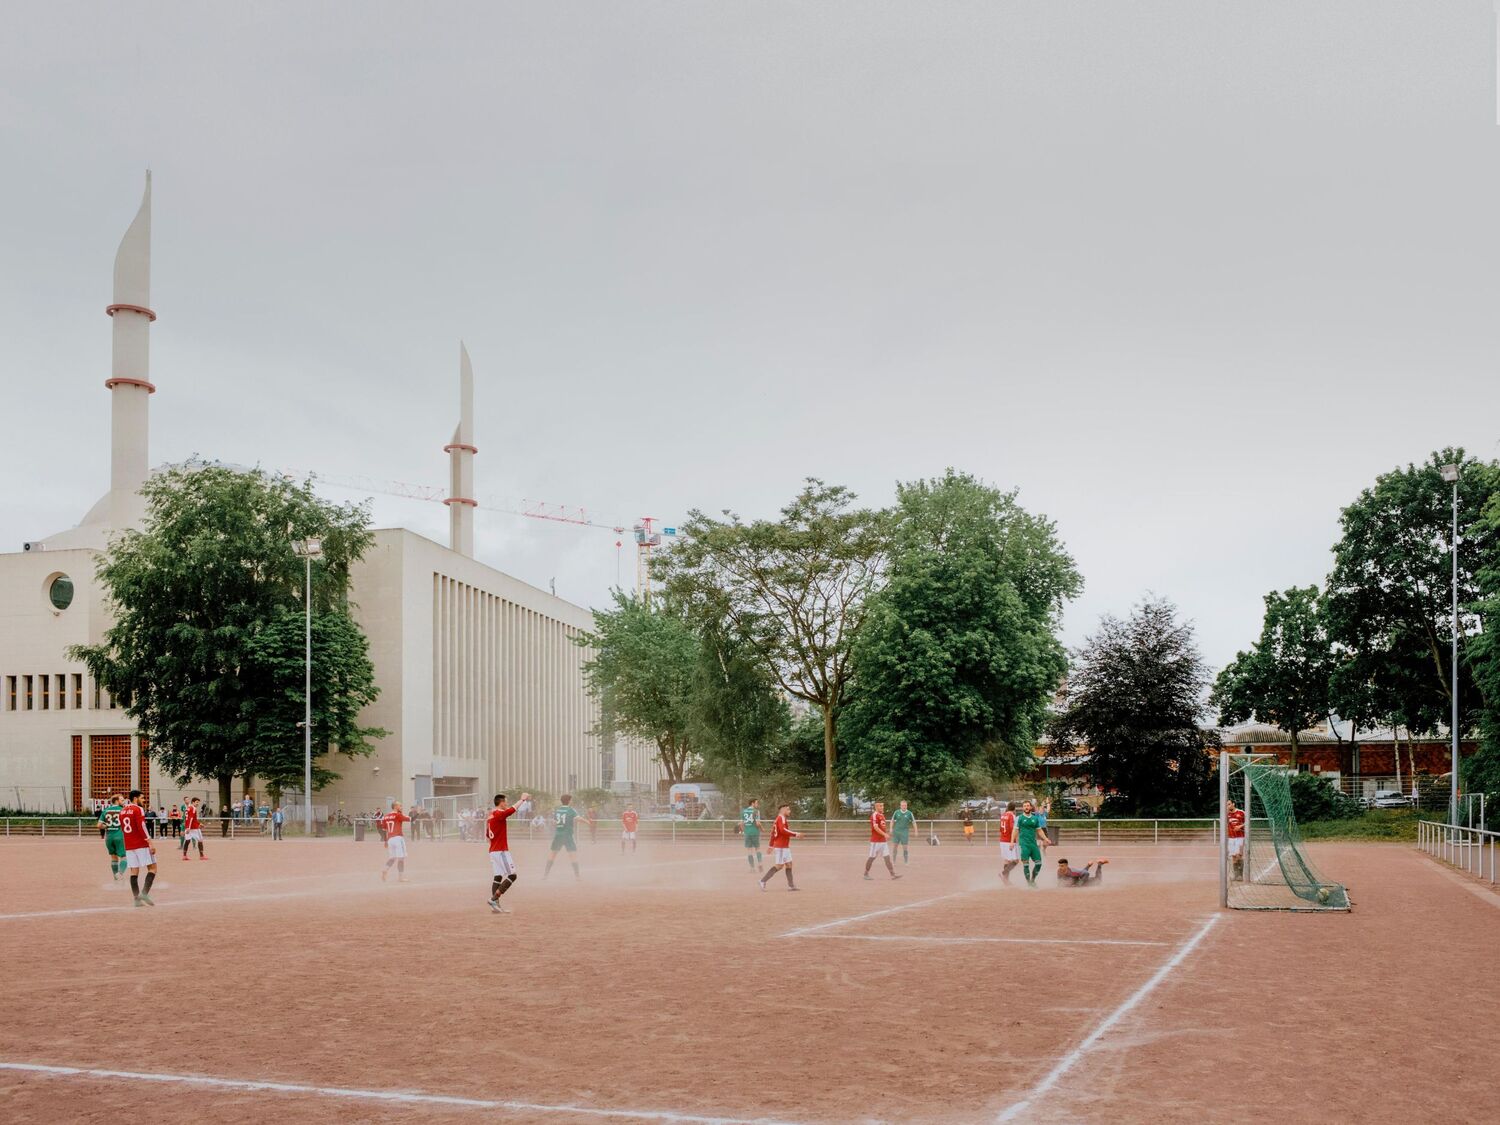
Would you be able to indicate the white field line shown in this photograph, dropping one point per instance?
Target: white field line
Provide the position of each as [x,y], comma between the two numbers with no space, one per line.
[805,930]
[476,880]
[398,1097]
[979,940]
[1068,1061]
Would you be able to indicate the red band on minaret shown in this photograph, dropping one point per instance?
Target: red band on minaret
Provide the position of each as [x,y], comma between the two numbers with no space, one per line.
[462,500]
[111,384]
[142,309]
[460,445]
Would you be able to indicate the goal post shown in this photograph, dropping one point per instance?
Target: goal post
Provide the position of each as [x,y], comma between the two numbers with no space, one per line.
[1267,868]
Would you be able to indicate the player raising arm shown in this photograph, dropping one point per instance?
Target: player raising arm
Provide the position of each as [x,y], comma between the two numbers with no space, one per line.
[563,818]
[502,866]
[781,847]
[395,842]
[880,836]
[140,852]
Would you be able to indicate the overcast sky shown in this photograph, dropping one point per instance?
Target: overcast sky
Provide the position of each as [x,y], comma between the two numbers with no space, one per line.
[1188,275]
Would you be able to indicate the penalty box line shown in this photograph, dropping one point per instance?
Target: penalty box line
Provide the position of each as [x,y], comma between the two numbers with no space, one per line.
[398,1097]
[1068,1061]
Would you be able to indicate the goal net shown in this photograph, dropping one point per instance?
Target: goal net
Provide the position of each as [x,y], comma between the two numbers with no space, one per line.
[1272,870]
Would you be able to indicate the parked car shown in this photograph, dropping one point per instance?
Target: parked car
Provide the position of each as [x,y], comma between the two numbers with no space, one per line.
[1390,799]
[981,807]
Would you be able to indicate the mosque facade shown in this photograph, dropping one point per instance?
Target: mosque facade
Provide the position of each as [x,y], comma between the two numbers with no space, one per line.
[481,681]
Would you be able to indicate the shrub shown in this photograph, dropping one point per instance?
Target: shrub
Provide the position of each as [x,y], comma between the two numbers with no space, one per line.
[1315,798]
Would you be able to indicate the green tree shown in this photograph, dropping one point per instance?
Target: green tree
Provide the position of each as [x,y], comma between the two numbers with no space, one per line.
[206,631]
[959,657]
[1132,711]
[1481,773]
[1283,680]
[793,589]
[642,670]
[1388,601]
[740,721]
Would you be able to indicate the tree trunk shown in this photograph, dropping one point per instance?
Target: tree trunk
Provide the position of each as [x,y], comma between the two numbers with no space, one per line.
[830,755]
[225,782]
[1294,750]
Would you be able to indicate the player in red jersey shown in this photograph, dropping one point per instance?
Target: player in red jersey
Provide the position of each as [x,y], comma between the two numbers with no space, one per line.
[395,842]
[781,847]
[880,841]
[502,866]
[592,817]
[140,852]
[192,829]
[629,821]
[1009,854]
[1235,835]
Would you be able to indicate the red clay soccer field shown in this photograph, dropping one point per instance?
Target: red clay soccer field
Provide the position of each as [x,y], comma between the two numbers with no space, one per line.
[284,980]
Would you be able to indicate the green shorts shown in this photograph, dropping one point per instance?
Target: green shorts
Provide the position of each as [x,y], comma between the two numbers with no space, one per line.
[1031,852]
[561,842]
[900,838]
[752,839]
[114,844]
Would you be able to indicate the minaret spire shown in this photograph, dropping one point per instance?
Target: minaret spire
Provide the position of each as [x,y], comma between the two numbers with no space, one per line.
[129,382]
[460,451]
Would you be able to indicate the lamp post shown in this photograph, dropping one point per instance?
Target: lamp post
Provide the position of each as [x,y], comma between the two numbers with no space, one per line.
[309,549]
[1450,474]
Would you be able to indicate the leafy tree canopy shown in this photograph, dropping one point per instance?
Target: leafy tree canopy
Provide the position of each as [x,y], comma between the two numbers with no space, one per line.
[793,590]
[205,648]
[1283,679]
[958,659]
[1132,714]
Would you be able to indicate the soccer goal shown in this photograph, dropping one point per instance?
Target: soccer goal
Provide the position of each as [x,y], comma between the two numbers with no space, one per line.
[1263,863]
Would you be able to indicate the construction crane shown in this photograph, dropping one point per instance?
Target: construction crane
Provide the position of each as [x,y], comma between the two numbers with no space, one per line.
[647,536]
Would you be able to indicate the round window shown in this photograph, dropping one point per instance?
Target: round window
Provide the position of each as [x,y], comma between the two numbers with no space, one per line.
[60,592]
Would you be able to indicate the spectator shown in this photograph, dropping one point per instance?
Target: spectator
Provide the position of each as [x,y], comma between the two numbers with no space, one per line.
[223,820]
[151,822]
[278,818]
[174,822]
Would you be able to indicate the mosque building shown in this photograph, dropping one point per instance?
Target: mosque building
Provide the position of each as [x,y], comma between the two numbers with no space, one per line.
[481,683]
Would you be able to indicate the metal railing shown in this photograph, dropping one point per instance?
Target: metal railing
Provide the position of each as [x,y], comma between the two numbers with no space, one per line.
[1468,849]
[1162,830]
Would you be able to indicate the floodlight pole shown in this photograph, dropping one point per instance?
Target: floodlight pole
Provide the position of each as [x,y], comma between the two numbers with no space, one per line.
[1450,474]
[308,549]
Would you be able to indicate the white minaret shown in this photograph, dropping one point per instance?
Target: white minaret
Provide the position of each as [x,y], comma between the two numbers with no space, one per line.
[129,384]
[460,451]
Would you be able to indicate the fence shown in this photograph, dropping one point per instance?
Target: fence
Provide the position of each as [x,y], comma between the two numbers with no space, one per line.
[1464,848]
[1190,831]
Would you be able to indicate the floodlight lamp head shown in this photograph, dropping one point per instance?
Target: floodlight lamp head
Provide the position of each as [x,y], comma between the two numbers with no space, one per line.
[1450,473]
[314,547]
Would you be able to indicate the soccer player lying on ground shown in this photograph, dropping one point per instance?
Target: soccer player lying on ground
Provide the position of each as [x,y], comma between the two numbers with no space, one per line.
[140,852]
[781,848]
[1072,877]
[114,839]
[502,867]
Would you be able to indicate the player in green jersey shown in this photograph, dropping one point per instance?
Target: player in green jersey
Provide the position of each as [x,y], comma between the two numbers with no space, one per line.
[114,839]
[901,825]
[1027,825]
[563,818]
[750,820]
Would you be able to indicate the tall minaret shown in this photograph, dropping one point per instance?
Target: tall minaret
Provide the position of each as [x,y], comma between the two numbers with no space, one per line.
[460,451]
[129,385]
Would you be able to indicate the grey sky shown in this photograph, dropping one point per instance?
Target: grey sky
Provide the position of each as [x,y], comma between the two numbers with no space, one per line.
[1186,274]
